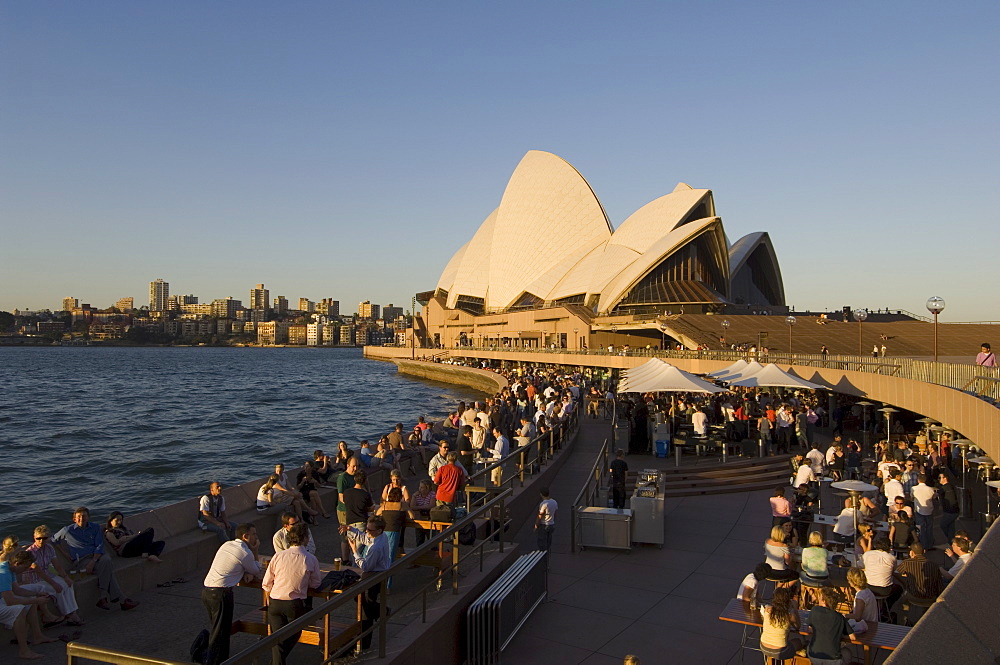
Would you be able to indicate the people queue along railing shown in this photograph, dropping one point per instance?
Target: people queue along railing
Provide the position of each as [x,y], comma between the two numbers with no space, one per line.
[975,379]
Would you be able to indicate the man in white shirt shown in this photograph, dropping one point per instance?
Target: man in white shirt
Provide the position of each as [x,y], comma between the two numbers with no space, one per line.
[816,460]
[784,420]
[844,530]
[280,538]
[960,551]
[893,488]
[804,475]
[545,523]
[235,561]
[879,566]
[501,448]
[699,421]
[923,508]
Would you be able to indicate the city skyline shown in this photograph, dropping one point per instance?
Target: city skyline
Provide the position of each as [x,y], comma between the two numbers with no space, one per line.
[326,149]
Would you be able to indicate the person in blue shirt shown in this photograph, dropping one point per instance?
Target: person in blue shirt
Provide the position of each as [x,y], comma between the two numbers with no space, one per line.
[19,608]
[83,543]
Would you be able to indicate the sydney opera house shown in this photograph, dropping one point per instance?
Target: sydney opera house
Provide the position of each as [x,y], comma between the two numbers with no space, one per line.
[547,268]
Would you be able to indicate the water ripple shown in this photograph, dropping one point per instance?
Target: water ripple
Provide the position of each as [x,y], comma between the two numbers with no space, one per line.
[136,428]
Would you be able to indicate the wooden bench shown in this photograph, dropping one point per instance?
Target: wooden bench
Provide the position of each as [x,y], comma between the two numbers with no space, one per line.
[881,636]
[329,632]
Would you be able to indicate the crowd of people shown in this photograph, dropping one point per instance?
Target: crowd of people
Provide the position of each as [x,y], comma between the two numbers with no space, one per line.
[874,556]
[37,579]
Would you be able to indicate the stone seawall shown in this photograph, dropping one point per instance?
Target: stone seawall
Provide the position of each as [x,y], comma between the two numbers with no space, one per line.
[479,379]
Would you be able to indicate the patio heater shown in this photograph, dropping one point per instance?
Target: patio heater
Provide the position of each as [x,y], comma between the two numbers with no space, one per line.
[888,411]
[864,419]
[963,449]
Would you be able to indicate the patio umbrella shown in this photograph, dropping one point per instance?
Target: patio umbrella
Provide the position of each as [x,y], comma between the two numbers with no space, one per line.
[667,378]
[773,376]
[732,369]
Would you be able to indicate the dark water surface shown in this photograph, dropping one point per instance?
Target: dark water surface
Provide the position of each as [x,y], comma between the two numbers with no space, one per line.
[133,428]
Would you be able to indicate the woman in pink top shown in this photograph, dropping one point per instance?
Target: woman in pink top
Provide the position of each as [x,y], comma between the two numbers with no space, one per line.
[781,509]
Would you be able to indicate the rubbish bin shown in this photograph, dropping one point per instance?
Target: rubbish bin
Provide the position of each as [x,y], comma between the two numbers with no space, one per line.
[662,447]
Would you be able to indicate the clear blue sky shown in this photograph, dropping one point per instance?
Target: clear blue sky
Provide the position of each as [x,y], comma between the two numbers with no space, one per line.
[346,150]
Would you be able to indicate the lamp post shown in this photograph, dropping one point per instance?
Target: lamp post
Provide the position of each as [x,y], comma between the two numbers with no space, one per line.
[791,322]
[576,334]
[725,329]
[861,315]
[935,305]
[614,334]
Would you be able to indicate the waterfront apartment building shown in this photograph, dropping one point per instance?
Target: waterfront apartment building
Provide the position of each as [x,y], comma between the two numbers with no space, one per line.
[306,305]
[314,334]
[346,335]
[259,298]
[159,292]
[297,333]
[280,305]
[69,304]
[270,333]
[125,304]
[366,310]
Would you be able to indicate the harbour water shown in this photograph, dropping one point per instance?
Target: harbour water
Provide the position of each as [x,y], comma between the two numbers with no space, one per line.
[134,428]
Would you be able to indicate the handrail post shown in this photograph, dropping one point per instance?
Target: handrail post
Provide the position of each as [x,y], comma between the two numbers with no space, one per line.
[522,467]
[502,522]
[454,569]
[382,618]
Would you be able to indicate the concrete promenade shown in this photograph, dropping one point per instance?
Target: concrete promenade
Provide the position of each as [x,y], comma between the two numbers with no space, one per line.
[659,604]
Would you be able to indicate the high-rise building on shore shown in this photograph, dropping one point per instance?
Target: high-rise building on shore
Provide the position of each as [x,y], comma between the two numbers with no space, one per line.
[225,308]
[69,304]
[329,306]
[259,299]
[306,305]
[390,313]
[280,305]
[159,291]
[366,310]
[125,304]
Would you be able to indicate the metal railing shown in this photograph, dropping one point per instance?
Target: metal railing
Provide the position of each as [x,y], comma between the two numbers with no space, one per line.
[589,492]
[515,465]
[970,378]
[77,650]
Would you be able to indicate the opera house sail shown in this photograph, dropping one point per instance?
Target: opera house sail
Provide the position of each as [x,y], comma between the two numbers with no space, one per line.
[547,257]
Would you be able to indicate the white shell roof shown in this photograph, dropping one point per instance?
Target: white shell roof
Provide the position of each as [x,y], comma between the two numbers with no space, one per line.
[550,237]
[657,218]
[627,276]
[548,220]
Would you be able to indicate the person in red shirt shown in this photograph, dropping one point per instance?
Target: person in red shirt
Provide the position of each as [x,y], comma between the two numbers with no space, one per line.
[449,479]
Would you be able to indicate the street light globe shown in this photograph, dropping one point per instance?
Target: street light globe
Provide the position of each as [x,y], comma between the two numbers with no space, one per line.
[790,320]
[725,323]
[861,314]
[935,304]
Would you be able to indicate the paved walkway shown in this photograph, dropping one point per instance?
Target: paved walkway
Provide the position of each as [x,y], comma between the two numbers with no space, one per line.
[659,604]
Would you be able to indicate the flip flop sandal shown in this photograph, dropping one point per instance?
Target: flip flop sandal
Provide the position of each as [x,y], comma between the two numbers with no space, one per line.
[179,580]
[74,623]
[75,635]
[50,624]
[165,585]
